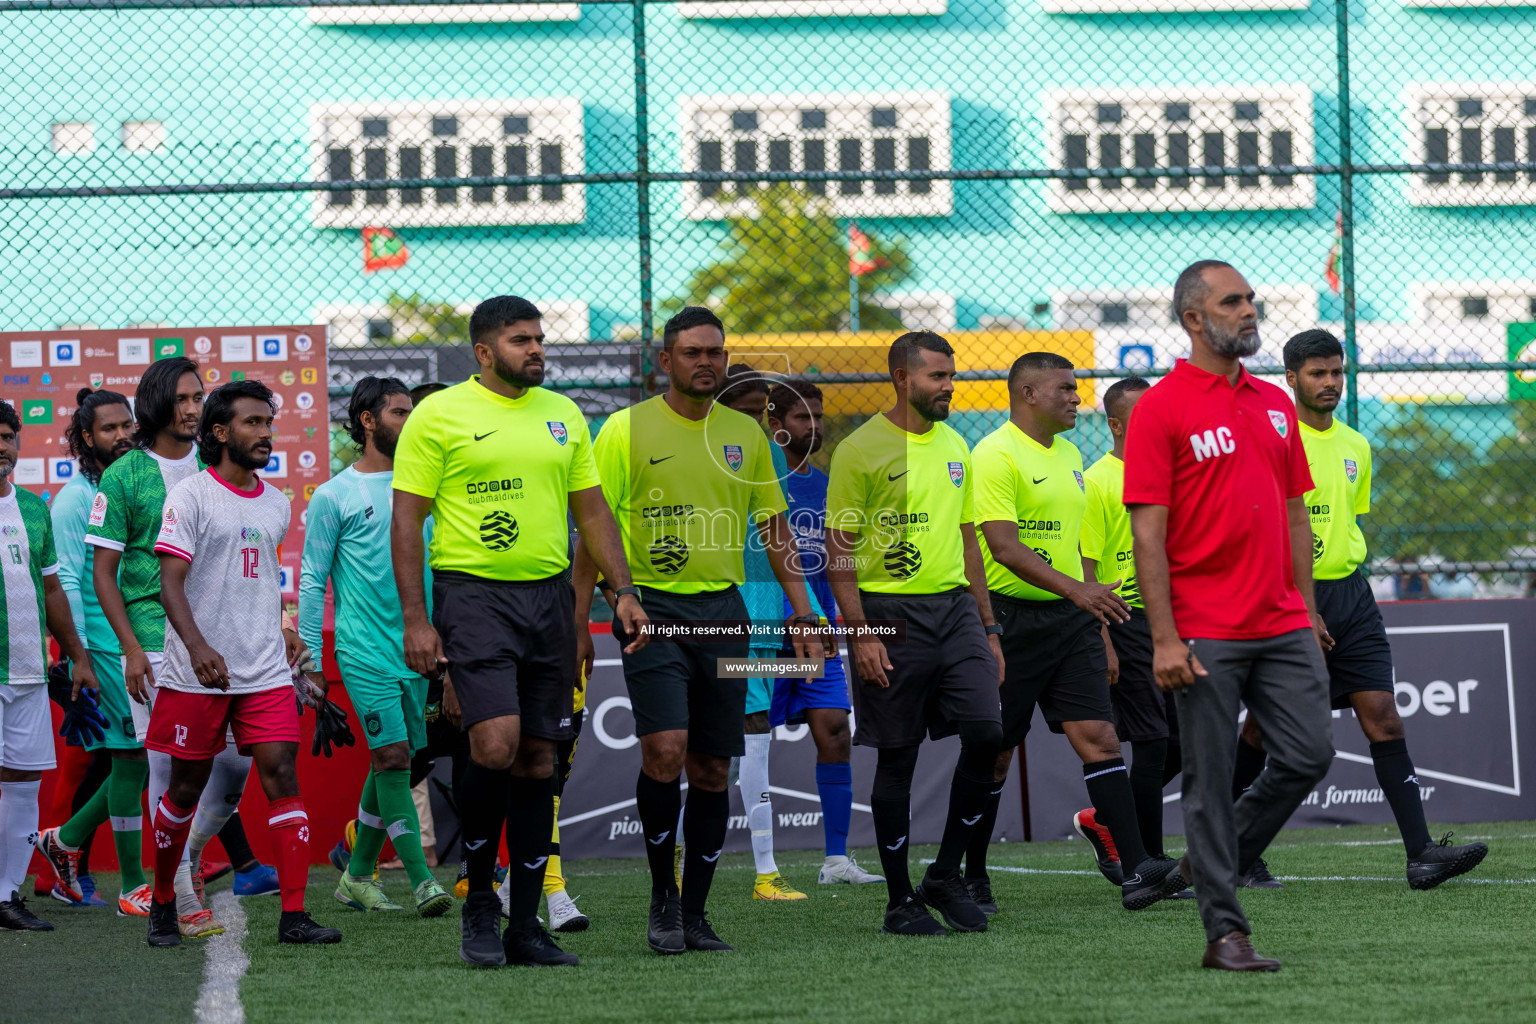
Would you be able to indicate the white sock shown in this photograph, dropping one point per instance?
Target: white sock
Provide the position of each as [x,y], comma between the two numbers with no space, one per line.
[186,896]
[754,797]
[18,833]
[159,780]
[221,796]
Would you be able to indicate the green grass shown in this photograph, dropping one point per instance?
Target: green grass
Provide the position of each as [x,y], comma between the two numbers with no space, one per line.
[1062,950]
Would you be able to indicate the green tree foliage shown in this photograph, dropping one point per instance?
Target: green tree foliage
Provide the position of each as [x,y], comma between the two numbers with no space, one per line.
[416,321]
[786,269]
[1436,497]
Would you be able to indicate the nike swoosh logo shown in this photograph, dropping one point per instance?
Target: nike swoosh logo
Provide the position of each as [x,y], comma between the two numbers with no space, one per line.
[474,845]
[711,860]
[482,437]
[1133,880]
[898,476]
[1039,481]
[536,864]
[970,821]
[898,844]
[664,458]
[660,839]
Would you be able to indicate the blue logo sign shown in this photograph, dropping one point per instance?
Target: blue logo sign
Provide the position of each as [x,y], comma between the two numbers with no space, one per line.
[271,346]
[47,378]
[16,380]
[273,464]
[63,352]
[64,469]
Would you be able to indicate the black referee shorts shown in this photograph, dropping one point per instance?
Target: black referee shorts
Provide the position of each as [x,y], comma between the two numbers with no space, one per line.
[1361,658]
[944,671]
[1053,656]
[675,684]
[511,649]
[1142,711]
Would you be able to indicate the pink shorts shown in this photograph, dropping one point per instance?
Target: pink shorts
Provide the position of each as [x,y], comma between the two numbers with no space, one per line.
[191,726]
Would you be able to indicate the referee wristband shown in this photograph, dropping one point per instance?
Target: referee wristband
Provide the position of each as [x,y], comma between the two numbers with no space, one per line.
[633,592]
[996,629]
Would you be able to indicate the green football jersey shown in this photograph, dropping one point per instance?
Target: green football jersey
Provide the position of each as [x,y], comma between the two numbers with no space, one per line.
[906,496]
[125,516]
[26,556]
[1107,535]
[70,511]
[684,492]
[1340,459]
[346,540]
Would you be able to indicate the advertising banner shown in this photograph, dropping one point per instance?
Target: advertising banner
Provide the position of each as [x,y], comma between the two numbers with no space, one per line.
[41,372]
[1463,673]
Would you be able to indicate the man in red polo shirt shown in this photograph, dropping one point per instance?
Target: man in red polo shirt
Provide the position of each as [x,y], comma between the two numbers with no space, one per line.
[1214,477]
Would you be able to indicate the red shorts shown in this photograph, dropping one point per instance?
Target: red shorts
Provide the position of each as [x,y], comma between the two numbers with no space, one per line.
[191,726]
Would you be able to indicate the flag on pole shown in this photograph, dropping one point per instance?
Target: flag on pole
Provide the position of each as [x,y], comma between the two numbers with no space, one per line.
[861,258]
[383,250]
[1336,256]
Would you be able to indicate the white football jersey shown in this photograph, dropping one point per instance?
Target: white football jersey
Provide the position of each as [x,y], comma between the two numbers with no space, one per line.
[230,539]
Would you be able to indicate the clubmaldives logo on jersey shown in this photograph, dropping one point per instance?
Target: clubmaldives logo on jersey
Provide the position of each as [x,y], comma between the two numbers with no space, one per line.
[957,473]
[556,431]
[733,457]
[98,510]
[250,533]
[1351,469]
[1282,425]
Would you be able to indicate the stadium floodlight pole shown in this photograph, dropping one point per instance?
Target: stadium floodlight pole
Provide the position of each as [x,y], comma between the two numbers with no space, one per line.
[1347,218]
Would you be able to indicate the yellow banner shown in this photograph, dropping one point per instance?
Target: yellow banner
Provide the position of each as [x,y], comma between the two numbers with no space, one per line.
[814,354]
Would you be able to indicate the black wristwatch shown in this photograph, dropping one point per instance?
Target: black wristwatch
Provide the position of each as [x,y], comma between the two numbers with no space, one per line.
[996,629]
[810,620]
[633,592]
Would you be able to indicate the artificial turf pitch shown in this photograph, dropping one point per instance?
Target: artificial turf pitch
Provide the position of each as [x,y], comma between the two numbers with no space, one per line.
[1356,942]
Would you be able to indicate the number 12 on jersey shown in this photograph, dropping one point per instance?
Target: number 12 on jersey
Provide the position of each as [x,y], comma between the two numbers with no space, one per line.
[249,558]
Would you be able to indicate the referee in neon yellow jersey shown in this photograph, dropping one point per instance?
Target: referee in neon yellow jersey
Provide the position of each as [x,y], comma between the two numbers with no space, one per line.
[691,483]
[1360,672]
[498,461]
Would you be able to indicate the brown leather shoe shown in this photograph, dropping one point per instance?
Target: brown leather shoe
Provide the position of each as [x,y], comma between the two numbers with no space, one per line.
[1235,953]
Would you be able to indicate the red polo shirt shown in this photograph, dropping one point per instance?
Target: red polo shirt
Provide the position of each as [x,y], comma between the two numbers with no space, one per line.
[1223,460]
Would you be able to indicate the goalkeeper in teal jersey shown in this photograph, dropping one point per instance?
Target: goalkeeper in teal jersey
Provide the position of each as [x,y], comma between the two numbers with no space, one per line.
[346,540]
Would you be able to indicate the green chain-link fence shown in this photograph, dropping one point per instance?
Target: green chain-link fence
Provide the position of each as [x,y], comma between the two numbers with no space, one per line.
[1017,174]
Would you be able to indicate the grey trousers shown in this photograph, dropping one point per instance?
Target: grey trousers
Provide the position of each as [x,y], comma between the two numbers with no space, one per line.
[1284,683]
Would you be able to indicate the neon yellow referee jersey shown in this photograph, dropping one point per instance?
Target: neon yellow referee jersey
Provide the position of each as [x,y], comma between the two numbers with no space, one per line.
[686,492]
[500,472]
[905,495]
[1041,489]
[1340,459]
[1107,535]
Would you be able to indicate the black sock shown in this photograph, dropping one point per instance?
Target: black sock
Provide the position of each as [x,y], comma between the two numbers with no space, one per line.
[1109,790]
[530,819]
[1246,768]
[232,835]
[705,817]
[1173,764]
[483,804]
[890,804]
[1147,768]
[658,804]
[981,836]
[1395,776]
[969,799]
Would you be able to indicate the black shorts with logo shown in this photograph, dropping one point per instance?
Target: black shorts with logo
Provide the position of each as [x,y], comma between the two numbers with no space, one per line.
[1142,711]
[1053,656]
[1361,658]
[675,684]
[511,648]
[944,671]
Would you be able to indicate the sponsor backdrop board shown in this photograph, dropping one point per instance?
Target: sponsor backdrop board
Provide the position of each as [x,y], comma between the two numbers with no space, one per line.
[1463,672]
[40,373]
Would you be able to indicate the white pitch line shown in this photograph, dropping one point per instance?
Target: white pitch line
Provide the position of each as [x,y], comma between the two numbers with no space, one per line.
[1284,878]
[218,1001]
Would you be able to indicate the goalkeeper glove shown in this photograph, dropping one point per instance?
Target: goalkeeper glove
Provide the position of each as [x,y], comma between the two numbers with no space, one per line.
[83,722]
[331,729]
